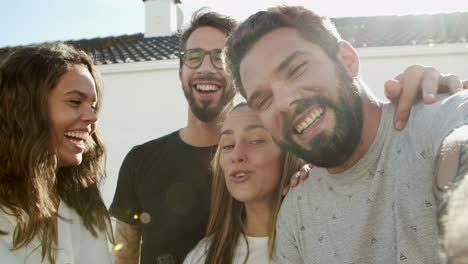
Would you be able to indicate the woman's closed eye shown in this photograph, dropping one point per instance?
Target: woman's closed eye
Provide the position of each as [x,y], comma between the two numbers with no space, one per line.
[257,141]
[75,102]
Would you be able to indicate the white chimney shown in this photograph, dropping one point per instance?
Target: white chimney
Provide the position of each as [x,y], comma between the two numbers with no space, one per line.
[162,17]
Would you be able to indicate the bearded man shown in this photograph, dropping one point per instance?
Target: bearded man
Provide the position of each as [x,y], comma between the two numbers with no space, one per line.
[376,193]
[163,193]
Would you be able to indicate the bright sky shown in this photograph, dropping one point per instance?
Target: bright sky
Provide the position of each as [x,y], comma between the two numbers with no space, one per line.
[35,21]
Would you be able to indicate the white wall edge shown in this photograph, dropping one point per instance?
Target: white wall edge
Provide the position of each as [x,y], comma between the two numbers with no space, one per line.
[412,51]
[138,66]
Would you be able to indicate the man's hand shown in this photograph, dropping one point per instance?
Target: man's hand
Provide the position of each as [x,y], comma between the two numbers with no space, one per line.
[298,176]
[127,243]
[418,80]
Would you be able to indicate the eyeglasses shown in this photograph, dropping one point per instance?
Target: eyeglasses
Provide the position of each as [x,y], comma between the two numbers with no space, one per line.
[193,58]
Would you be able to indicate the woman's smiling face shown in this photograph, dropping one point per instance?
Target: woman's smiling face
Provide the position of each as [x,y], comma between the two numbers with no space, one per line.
[72,115]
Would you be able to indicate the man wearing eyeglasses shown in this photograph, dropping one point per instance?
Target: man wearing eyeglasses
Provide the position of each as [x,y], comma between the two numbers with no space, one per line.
[163,193]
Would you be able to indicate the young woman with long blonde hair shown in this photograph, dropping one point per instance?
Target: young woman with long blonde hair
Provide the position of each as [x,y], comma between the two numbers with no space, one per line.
[250,172]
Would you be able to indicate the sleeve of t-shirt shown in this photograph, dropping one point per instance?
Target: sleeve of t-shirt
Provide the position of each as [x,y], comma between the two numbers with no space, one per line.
[125,203]
[287,247]
[434,122]
[453,114]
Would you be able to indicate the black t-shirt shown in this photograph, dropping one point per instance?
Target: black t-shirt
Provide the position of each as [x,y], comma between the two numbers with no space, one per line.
[166,183]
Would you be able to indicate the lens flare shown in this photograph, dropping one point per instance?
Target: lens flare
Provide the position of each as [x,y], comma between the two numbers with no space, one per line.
[118,247]
[145,218]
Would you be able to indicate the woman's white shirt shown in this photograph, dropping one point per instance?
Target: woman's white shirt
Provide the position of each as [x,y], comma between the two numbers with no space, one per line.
[76,245]
[258,251]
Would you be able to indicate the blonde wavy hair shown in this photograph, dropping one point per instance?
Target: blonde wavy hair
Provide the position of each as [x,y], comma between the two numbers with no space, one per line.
[227,215]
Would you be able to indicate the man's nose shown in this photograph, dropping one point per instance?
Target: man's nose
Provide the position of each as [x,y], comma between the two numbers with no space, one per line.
[284,96]
[206,65]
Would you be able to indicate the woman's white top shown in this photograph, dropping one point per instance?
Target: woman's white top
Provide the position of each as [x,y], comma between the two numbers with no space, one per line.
[75,243]
[258,251]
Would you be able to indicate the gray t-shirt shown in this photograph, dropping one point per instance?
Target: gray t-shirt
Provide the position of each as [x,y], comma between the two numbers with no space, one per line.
[383,209]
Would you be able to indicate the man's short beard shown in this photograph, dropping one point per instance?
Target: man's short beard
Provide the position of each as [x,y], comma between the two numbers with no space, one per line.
[329,150]
[205,113]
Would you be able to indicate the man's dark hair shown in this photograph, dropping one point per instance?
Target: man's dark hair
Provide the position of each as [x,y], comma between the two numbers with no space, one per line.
[202,18]
[312,27]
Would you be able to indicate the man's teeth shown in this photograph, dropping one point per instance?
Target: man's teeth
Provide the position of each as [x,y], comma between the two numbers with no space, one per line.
[309,120]
[206,87]
[80,135]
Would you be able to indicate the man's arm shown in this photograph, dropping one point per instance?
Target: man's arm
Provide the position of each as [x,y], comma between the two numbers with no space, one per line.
[127,243]
[452,163]
[124,206]
[451,190]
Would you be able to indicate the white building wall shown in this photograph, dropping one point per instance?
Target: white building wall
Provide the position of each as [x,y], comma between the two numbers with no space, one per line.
[379,64]
[144,100]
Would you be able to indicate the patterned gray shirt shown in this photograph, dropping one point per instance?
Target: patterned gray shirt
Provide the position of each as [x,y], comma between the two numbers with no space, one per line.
[382,210]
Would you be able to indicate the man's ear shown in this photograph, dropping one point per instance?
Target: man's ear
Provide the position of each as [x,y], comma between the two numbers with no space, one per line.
[180,73]
[348,57]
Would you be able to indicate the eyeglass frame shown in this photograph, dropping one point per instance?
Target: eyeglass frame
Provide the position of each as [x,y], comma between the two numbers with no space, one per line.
[182,55]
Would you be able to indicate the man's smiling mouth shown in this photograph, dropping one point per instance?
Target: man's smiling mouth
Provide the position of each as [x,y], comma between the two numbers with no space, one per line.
[309,120]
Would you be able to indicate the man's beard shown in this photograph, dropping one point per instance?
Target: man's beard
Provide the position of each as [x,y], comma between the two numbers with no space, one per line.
[205,113]
[326,149]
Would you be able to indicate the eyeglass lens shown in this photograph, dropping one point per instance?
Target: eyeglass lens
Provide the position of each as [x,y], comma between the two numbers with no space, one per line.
[194,57]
